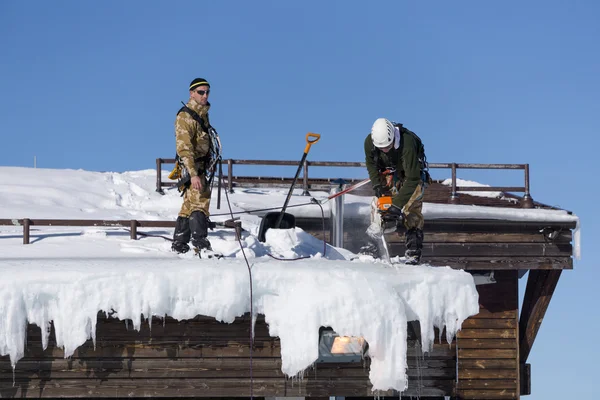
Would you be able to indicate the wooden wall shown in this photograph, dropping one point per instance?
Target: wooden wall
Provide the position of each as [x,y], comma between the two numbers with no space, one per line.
[488,344]
[492,245]
[197,358]
[472,244]
[205,358]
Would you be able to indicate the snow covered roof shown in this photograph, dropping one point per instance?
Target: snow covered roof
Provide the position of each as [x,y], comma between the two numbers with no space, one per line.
[69,274]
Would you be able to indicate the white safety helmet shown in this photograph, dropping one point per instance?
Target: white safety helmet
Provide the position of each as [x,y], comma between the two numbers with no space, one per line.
[382,133]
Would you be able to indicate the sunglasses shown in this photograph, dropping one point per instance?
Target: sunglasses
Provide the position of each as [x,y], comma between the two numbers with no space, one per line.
[203,92]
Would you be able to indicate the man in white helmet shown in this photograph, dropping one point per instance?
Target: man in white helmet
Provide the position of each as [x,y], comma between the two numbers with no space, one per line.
[397,166]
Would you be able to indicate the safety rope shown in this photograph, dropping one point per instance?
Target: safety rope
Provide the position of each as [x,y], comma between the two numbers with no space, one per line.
[259,209]
[238,235]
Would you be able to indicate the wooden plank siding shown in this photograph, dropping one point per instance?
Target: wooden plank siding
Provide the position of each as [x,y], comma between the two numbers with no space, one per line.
[488,343]
[472,244]
[198,358]
[491,246]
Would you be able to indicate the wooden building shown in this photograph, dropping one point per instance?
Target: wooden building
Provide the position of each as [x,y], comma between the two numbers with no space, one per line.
[205,358]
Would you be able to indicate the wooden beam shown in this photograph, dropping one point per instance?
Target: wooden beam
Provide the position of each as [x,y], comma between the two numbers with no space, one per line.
[488,323]
[489,250]
[482,354]
[468,374]
[500,263]
[487,333]
[486,384]
[539,291]
[488,343]
[525,377]
[484,237]
[495,225]
[309,386]
[487,394]
[206,368]
[486,364]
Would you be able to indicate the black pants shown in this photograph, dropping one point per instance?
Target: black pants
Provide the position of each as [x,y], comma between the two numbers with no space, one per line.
[414,242]
[195,228]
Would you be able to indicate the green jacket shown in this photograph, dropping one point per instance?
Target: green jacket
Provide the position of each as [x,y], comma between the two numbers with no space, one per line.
[405,160]
[191,141]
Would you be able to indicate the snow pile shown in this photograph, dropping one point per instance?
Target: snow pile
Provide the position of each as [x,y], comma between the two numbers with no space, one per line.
[466,183]
[356,298]
[78,194]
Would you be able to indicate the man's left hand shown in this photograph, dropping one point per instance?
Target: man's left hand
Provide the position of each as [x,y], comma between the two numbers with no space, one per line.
[393,214]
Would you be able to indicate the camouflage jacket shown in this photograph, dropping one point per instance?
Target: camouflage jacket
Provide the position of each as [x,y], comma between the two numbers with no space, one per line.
[191,141]
[404,160]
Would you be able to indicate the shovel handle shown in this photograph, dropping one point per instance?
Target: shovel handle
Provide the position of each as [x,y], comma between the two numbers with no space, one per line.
[311,138]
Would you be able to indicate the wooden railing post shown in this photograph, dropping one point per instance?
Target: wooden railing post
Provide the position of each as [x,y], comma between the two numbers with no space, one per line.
[219,184]
[133,229]
[26,223]
[159,176]
[453,193]
[527,199]
[238,229]
[230,175]
[305,180]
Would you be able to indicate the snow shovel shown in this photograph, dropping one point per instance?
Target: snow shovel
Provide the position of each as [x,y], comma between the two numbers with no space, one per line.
[283,220]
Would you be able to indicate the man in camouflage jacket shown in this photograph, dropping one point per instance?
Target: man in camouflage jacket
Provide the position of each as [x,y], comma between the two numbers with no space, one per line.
[395,160]
[193,144]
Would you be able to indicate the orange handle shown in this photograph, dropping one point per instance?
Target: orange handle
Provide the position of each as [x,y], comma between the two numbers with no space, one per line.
[315,138]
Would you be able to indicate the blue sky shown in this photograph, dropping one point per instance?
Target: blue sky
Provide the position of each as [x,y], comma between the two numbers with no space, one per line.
[96,85]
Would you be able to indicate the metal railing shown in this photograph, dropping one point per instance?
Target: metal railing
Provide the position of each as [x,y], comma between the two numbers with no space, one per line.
[131,225]
[527,201]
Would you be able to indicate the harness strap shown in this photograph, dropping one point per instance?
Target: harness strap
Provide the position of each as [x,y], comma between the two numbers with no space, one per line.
[203,126]
[214,153]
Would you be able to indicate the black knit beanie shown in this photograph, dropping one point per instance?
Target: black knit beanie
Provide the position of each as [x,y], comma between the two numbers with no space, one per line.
[198,82]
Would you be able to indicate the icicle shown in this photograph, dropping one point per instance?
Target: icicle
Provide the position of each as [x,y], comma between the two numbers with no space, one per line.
[93,322]
[419,354]
[577,240]
[254,317]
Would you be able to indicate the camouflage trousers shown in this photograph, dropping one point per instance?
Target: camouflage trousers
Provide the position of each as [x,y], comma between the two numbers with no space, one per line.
[413,210]
[194,200]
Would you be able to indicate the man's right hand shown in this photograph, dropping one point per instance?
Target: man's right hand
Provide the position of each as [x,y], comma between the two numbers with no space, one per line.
[197,183]
[378,191]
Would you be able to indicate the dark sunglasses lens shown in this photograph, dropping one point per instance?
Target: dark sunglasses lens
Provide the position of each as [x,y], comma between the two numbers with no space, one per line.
[202,92]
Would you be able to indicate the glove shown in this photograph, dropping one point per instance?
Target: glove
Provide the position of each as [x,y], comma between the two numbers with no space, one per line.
[378,190]
[393,214]
[211,225]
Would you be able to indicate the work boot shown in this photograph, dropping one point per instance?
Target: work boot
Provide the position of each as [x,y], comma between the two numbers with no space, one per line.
[199,231]
[181,236]
[369,249]
[414,245]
